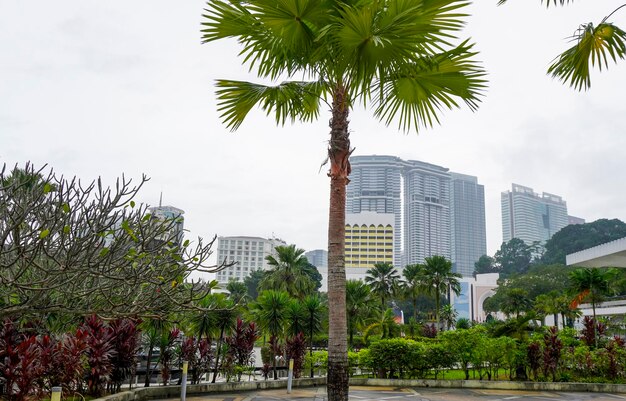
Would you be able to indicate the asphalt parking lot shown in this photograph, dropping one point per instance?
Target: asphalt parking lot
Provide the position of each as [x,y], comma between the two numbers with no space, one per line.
[409,394]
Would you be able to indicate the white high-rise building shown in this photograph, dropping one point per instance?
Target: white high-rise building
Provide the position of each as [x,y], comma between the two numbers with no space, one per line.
[427,224]
[467,215]
[531,217]
[375,186]
[248,253]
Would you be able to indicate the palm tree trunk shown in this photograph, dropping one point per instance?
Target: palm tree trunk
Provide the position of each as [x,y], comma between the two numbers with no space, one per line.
[415,309]
[148,366]
[338,154]
[217,353]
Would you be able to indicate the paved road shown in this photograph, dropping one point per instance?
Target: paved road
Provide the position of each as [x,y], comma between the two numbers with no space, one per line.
[410,394]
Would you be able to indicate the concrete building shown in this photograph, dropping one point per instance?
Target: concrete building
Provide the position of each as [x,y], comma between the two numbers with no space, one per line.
[575,220]
[248,254]
[531,217]
[173,216]
[375,186]
[318,258]
[427,224]
[369,240]
[610,254]
[468,229]
[474,293]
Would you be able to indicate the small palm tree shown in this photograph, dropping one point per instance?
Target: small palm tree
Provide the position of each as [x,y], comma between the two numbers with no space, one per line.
[591,284]
[288,272]
[315,310]
[360,305]
[270,312]
[448,316]
[439,279]
[413,284]
[383,279]
[237,291]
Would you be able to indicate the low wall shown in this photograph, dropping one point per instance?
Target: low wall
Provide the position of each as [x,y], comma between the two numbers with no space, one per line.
[163,392]
[495,385]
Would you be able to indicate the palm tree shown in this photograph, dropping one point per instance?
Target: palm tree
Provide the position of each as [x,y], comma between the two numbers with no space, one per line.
[413,284]
[225,318]
[383,280]
[395,55]
[153,330]
[315,309]
[591,284]
[448,316]
[360,304]
[439,279]
[288,272]
[270,312]
[237,291]
[296,317]
[515,302]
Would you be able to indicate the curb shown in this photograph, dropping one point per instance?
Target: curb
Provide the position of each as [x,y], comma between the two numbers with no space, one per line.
[164,392]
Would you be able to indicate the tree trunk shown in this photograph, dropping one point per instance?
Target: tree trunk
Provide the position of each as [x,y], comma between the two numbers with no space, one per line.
[217,353]
[148,365]
[338,154]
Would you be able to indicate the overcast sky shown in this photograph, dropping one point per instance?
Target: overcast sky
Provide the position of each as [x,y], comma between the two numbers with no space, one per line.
[104,88]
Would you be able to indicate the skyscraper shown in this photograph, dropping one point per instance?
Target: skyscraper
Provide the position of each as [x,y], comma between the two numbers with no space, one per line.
[427,224]
[467,215]
[531,217]
[375,186]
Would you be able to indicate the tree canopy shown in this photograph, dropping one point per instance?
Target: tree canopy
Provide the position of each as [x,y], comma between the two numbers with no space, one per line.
[576,237]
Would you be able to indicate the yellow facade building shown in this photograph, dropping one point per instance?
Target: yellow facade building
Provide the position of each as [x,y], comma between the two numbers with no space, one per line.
[369,240]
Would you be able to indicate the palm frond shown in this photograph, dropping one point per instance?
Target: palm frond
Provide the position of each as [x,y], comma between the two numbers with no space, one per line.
[593,46]
[288,101]
[415,93]
[277,36]
[372,35]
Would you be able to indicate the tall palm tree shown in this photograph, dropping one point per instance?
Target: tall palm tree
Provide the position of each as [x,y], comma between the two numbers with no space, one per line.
[225,314]
[448,316]
[439,279]
[413,284]
[360,306]
[396,55]
[384,280]
[270,312]
[288,272]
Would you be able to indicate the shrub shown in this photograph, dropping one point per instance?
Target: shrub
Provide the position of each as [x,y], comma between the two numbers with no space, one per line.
[295,348]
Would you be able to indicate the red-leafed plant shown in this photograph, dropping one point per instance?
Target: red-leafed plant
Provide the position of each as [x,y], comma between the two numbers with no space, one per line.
[125,342]
[100,354]
[241,342]
[189,353]
[296,348]
[429,330]
[70,360]
[533,354]
[552,346]
[205,358]
[166,357]
[19,362]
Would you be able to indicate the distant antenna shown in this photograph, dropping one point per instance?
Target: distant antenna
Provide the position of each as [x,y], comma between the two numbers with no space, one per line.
[161,199]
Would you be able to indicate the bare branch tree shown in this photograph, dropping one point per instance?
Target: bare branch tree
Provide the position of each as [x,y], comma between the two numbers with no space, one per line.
[70,247]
